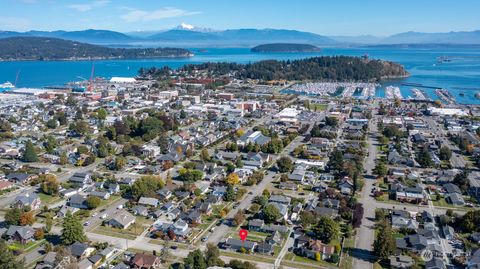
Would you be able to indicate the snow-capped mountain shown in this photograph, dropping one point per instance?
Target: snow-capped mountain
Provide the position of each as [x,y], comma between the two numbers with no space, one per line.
[188,27]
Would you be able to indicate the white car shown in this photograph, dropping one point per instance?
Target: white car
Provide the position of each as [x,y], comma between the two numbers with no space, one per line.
[104,216]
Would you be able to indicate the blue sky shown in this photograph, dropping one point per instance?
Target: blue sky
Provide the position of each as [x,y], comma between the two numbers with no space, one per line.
[328,17]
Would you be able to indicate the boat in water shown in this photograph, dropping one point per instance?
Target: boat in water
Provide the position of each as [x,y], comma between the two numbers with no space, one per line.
[7,85]
[477,95]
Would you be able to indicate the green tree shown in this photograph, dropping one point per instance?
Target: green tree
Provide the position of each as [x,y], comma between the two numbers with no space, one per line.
[190,175]
[327,229]
[284,164]
[204,155]
[7,259]
[212,256]
[335,162]
[12,216]
[445,153]
[101,114]
[50,144]
[72,230]
[384,244]
[195,260]
[146,186]
[424,158]
[48,222]
[50,184]
[120,163]
[230,194]
[183,114]
[63,158]
[307,218]
[331,121]
[51,124]
[93,202]
[380,169]
[271,213]
[29,154]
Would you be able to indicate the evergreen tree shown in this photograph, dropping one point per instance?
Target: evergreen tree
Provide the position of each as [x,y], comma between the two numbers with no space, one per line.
[195,260]
[29,155]
[384,245]
[72,230]
[7,259]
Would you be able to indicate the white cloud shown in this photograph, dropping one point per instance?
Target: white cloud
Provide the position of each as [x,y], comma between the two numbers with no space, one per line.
[159,14]
[15,23]
[89,6]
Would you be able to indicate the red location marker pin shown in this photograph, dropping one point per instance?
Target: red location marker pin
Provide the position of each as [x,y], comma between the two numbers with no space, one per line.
[243,234]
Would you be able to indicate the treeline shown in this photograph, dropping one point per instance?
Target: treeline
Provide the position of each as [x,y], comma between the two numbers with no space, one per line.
[328,68]
[42,48]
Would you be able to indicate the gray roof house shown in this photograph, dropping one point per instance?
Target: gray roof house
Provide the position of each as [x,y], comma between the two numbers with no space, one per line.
[22,234]
[148,201]
[237,244]
[122,220]
[455,198]
[78,201]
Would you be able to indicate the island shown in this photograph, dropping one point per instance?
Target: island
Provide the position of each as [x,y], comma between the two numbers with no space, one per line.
[285,47]
[325,68]
[54,49]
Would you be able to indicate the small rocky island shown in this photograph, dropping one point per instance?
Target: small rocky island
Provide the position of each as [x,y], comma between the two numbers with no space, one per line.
[54,49]
[285,47]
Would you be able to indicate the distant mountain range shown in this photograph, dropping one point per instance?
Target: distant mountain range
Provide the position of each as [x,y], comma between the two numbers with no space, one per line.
[187,35]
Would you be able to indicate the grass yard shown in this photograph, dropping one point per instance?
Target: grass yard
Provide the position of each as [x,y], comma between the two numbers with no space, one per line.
[249,257]
[110,200]
[25,247]
[318,107]
[48,199]
[131,233]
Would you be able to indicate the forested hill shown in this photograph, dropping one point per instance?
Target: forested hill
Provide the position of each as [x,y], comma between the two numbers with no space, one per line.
[285,47]
[46,49]
[335,68]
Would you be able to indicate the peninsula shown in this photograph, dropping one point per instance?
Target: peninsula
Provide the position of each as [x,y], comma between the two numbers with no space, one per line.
[54,49]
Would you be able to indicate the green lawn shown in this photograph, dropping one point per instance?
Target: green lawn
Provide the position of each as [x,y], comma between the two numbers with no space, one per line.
[131,233]
[25,247]
[249,257]
[318,107]
[110,200]
[48,199]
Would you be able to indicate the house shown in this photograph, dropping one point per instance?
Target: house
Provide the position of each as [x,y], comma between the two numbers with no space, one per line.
[122,220]
[81,250]
[48,261]
[237,244]
[85,264]
[435,263]
[96,260]
[401,262]
[448,232]
[147,201]
[164,194]
[455,199]
[402,219]
[5,185]
[112,188]
[451,188]
[346,186]
[27,200]
[281,199]
[145,261]
[274,239]
[20,178]
[140,210]
[326,211]
[255,225]
[264,248]
[80,179]
[180,228]
[78,201]
[194,216]
[312,247]
[68,192]
[21,234]
[100,194]
[253,137]
[64,209]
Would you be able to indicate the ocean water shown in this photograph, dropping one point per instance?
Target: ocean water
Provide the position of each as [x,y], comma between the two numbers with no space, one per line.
[459,76]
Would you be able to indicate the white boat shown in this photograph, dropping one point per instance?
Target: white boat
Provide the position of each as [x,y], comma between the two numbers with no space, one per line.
[6,85]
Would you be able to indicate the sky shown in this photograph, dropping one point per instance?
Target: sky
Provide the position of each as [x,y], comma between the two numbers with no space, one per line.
[326,17]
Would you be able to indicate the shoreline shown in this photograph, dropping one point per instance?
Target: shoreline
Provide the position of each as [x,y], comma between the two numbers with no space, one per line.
[81,59]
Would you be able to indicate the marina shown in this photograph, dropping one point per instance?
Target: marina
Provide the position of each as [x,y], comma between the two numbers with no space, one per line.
[445,96]
[341,89]
[393,92]
[418,94]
